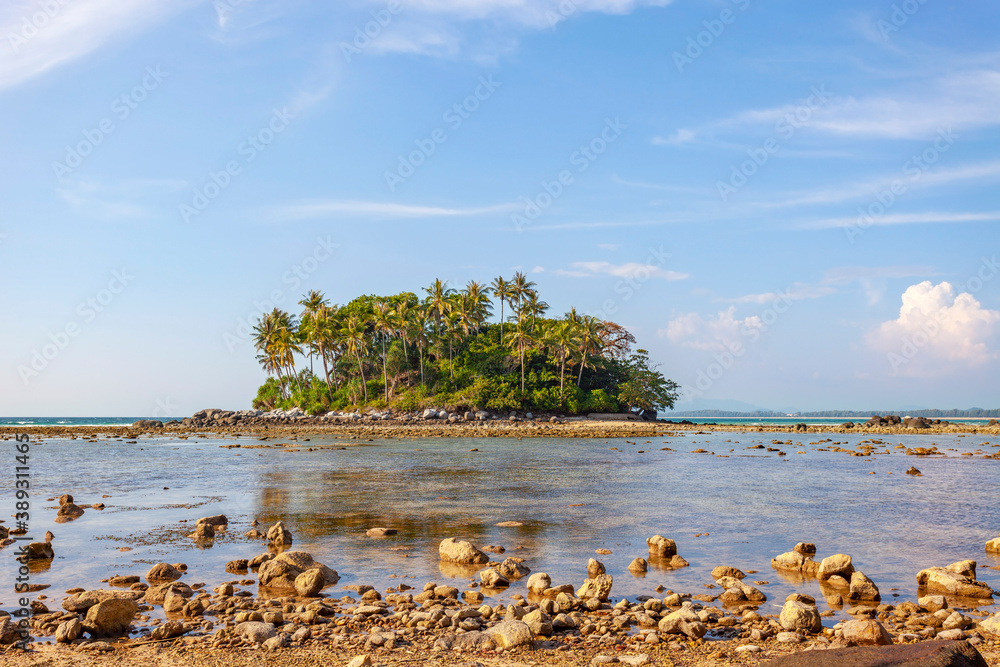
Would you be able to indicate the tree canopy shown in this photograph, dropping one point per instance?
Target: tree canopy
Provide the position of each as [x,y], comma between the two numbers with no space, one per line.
[408,351]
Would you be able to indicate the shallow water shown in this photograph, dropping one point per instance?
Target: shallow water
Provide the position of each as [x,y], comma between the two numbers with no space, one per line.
[573,496]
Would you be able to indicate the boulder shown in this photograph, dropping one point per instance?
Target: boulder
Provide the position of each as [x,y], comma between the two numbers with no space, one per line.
[726,571]
[255,632]
[283,571]
[81,602]
[309,583]
[795,561]
[923,654]
[217,520]
[866,632]
[991,626]
[863,588]
[684,621]
[169,630]
[40,551]
[163,572]
[203,531]
[598,587]
[737,591]
[69,631]
[110,618]
[147,424]
[595,567]
[836,565]
[539,582]
[69,511]
[158,594]
[510,634]
[661,548]
[513,568]
[638,566]
[452,551]
[493,579]
[948,581]
[380,532]
[993,546]
[797,615]
[279,536]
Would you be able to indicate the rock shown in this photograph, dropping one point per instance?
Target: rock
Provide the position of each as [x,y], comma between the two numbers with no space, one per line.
[796,562]
[513,568]
[598,587]
[638,566]
[203,531]
[256,632]
[147,424]
[279,536]
[493,579]
[634,660]
[69,631]
[64,499]
[913,471]
[169,630]
[274,643]
[594,568]
[933,602]
[684,621]
[361,660]
[217,520]
[796,615]
[83,601]
[309,583]
[162,572]
[510,634]
[924,654]
[538,622]
[380,532]
[866,632]
[837,565]
[110,618]
[238,566]
[726,571]
[991,626]
[69,511]
[790,638]
[863,588]
[993,546]
[40,551]
[539,582]
[453,551]
[661,548]
[954,579]
[158,594]
[737,591]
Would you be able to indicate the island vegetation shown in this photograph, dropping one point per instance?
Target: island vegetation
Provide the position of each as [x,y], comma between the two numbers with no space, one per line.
[406,352]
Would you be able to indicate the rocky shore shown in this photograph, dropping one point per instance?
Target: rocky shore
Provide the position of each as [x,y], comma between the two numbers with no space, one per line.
[452,422]
[283,604]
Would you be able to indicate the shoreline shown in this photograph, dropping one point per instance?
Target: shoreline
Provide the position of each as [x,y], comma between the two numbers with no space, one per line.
[385,429]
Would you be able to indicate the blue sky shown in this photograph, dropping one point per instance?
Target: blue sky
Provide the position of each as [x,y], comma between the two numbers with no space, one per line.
[793,205]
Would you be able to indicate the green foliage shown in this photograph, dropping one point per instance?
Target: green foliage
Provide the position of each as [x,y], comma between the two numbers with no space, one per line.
[644,387]
[409,352]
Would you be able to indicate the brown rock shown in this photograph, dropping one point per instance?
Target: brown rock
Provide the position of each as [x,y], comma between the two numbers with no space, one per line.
[866,632]
[924,654]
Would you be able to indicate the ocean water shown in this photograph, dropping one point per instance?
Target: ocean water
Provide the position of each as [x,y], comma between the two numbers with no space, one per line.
[75,421]
[573,497]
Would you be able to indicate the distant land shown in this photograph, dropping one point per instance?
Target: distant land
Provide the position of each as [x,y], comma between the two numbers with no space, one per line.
[954,413]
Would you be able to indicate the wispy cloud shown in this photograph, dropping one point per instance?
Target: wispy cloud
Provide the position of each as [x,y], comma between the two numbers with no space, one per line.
[70,30]
[904,219]
[132,199]
[961,100]
[627,270]
[339,207]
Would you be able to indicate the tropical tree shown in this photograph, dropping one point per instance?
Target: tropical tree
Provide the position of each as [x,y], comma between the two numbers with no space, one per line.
[521,287]
[438,299]
[590,341]
[420,337]
[384,325]
[311,303]
[356,341]
[560,337]
[503,290]
[479,302]
[521,339]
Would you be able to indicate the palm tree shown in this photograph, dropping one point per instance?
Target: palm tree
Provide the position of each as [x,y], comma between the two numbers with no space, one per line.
[322,334]
[590,340]
[356,340]
[418,331]
[311,302]
[479,302]
[520,287]
[534,307]
[265,341]
[520,339]
[561,339]
[454,323]
[502,290]
[384,325]
[438,299]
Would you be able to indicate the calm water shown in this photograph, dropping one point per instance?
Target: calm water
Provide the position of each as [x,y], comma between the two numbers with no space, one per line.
[574,496]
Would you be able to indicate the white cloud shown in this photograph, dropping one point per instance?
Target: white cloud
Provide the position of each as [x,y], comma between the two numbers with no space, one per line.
[530,13]
[631,270]
[337,207]
[937,329]
[961,100]
[43,36]
[715,333]
[902,219]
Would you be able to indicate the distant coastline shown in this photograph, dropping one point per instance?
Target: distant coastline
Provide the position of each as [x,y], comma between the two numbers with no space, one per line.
[954,413]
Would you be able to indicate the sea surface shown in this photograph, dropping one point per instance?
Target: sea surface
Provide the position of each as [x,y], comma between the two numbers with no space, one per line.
[731,506]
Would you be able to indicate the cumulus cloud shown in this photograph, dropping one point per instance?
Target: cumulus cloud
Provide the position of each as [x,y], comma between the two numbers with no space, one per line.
[716,332]
[937,329]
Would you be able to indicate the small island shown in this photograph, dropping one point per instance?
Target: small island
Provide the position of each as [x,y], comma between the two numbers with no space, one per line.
[406,353]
